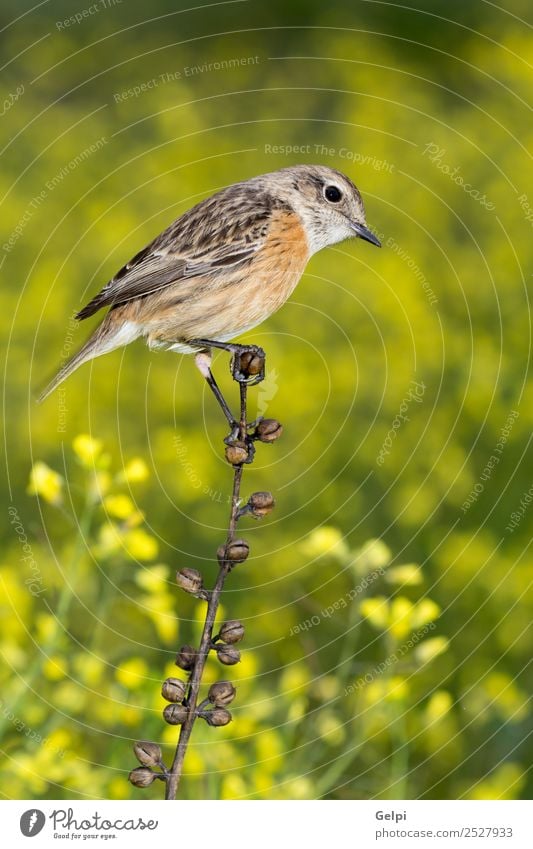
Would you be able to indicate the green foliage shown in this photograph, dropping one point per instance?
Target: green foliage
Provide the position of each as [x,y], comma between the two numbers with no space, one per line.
[412,111]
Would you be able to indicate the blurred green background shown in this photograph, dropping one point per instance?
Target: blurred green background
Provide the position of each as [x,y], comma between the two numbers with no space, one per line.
[427,112]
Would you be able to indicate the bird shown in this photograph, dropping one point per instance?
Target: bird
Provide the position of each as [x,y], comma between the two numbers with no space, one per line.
[224,266]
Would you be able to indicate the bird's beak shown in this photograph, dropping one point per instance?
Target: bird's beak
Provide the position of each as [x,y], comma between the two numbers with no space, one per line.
[365,233]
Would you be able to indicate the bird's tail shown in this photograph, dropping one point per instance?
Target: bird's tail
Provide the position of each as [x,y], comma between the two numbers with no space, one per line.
[107,336]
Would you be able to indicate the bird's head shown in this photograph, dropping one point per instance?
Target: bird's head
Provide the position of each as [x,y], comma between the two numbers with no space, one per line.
[329,204]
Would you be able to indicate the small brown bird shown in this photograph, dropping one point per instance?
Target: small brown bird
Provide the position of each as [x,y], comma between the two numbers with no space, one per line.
[225,265]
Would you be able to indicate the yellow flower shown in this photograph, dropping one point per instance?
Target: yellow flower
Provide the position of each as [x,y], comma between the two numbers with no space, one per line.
[89,668]
[118,788]
[70,697]
[409,575]
[129,715]
[397,688]
[141,545]
[297,710]
[401,617]
[46,483]
[87,448]
[59,739]
[169,737]
[506,698]
[325,540]
[134,471]
[132,673]
[54,668]
[505,782]
[153,579]
[46,626]
[438,705]
[109,541]
[393,688]
[298,788]
[425,611]
[35,713]
[269,750]
[160,609]
[294,679]
[15,606]
[246,670]
[194,763]
[101,484]
[325,689]
[119,506]
[376,610]
[134,519]
[234,786]
[430,649]
[262,784]
[374,554]
[330,729]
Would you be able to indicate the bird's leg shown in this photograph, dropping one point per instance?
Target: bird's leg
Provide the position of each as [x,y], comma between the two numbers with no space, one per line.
[247,361]
[203,363]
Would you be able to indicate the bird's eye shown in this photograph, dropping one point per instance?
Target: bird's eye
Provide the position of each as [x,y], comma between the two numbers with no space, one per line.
[333,194]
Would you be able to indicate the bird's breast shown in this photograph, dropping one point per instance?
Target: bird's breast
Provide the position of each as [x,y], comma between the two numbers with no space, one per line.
[222,305]
[279,264]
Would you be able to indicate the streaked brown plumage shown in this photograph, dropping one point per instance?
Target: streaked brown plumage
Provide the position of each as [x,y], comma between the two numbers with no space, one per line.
[225,265]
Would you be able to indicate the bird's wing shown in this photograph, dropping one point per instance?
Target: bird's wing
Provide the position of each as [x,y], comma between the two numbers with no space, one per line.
[222,231]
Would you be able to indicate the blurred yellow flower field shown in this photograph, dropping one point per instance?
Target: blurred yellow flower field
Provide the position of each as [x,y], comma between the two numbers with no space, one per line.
[386,599]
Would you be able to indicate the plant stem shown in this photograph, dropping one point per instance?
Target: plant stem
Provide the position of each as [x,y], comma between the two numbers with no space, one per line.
[176,770]
[399,758]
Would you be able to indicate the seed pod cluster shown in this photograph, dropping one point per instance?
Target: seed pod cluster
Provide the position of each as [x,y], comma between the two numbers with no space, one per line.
[150,756]
[182,697]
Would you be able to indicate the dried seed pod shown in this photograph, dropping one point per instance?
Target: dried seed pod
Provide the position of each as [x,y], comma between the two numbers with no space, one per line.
[261,504]
[222,693]
[148,754]
[189,580]
[237,453]
[231,631]
[228,655]
[141,776]
[186,658]
[175,714]
[217,716]
[233,553]
[268,430]
[237,551]
[173,690]
[251,363]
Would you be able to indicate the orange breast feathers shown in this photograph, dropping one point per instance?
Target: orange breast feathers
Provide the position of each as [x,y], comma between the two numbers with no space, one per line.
[280,263]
